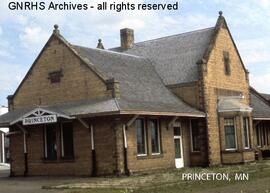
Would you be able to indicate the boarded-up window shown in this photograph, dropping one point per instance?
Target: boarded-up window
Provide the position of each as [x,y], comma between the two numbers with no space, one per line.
[227,63]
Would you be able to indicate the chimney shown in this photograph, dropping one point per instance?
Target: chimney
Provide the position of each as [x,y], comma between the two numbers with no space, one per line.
[127,38]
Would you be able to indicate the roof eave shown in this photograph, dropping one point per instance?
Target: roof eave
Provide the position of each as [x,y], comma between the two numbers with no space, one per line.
[4,125]
[141,112]
[261,118]
[178,114]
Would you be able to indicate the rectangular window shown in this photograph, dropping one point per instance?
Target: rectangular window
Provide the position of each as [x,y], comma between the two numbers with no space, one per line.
[246,132]
[141,136]
[230,134]
[155,137]
[195,136]
[50,142]
[67,140]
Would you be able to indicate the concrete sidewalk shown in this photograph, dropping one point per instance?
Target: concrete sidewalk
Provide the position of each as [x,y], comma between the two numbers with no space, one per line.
[4,170]
[4,166]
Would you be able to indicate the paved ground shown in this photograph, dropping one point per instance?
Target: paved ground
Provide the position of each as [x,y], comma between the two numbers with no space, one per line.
[258,183]
[27,185]
[4,170]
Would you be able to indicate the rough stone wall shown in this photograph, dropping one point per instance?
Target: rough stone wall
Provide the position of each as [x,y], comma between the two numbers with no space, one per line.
[16,154]
[215,77]
[77,83]
[105,145]
[37,165]
[81,165]
[166,159]
[188,92]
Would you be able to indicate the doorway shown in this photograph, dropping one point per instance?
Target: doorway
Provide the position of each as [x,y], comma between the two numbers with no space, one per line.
[178,146]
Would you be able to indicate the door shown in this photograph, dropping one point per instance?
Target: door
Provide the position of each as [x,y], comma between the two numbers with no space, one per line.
[178,146]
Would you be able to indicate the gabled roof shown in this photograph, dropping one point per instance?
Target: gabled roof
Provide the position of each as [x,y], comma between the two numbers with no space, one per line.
[175,57]
[261,108]
[141,88]
[57,35]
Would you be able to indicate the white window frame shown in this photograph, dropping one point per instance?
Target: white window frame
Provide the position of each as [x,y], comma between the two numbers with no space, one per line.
[235,135]
[145,138]
[159,145]
[246,119]
[191,138]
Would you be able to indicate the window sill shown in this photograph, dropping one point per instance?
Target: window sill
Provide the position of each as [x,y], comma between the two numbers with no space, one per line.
[248,150]
[230,151]
[153,156]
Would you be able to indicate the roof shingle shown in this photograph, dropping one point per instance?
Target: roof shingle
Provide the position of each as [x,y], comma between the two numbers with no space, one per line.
[260,107]
[141,88]
[175,57]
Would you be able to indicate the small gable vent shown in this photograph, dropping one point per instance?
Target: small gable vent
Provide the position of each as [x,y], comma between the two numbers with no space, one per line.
[55,76]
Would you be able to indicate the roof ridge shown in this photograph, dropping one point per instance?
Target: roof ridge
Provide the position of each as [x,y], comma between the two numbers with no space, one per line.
[184,33]
[267,94]
[258,94]
[110,51]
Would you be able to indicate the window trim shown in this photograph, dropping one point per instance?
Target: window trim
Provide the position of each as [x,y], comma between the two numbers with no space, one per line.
[159,137]
[246,119]
[191,138]
[145,138]
[235,135]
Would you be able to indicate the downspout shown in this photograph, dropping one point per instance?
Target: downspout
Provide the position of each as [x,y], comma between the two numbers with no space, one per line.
[25,155]
[125,126]
[127,172]
[3,148]
[94,160]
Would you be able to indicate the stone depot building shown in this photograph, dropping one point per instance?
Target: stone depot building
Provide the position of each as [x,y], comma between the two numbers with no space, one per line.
[177,101]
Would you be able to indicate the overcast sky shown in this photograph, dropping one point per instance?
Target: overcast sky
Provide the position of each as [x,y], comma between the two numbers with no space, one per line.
[24,33]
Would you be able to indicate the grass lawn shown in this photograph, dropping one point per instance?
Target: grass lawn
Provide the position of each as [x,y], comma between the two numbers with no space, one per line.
[172,182]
